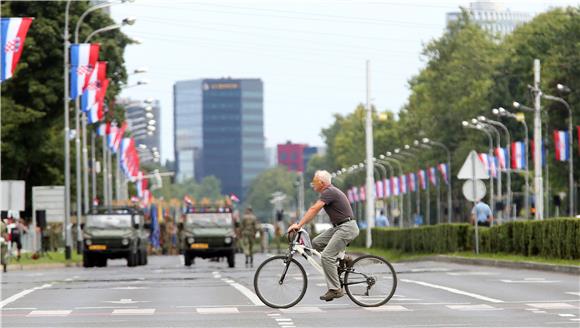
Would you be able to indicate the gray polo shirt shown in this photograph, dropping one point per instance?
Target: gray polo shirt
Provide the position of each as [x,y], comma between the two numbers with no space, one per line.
[336,204]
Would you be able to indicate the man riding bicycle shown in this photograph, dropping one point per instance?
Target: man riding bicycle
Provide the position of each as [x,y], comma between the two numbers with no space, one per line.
[334,240]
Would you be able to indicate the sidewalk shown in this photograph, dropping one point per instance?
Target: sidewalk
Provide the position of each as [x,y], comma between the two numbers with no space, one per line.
[572,269]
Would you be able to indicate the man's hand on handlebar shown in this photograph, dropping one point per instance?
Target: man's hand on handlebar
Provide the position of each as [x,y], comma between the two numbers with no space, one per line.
[294,227]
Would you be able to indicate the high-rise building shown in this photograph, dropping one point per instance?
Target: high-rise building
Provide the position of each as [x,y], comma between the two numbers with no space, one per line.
[143,119]
[492,17]
[219,131]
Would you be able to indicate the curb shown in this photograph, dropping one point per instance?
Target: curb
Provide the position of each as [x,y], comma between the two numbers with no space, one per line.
[43,266]
[571,269]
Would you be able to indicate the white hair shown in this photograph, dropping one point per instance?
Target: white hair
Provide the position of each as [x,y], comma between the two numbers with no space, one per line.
[323,176]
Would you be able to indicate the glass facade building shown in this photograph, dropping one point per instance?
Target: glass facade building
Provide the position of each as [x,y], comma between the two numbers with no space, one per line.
[219,131]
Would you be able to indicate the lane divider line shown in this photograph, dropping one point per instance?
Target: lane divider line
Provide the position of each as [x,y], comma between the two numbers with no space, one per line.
[245,291]
[453,290]
[22,294]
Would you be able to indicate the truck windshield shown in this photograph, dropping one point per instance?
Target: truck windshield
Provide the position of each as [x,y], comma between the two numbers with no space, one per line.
[209,219]
[108,221]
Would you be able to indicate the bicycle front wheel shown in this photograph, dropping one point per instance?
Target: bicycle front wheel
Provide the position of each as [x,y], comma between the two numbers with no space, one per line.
[279,282]
[371,281]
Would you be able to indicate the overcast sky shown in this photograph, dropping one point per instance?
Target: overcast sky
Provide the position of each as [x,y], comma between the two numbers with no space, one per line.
[309,54]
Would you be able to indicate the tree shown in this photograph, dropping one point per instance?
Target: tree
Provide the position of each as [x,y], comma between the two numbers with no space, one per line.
[277,179]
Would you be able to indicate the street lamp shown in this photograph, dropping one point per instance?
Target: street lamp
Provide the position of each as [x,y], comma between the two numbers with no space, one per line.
[520,118]
[449,189]
[508,149]
[572,196]
[390,157]
[481,128]
[487,125]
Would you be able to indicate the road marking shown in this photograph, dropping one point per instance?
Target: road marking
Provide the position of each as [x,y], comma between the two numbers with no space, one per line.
[566,315]
[126,301]
[283,319]
[21,294]
[274,314]
[302,309]
[103,307]
[133,312]
[538,312]
[453,290]
[129,288]
[472,273]
[224,310]
[53,313]
[245,291]
[17,309]
[527,281]
[552,306]
[474,307]
[573,293]
[181,260]
[387,308]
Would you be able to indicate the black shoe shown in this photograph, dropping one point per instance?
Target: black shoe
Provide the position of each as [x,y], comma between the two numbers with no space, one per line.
[332,294]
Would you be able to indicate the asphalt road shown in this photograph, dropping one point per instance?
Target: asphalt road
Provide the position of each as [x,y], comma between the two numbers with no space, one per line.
[209,294]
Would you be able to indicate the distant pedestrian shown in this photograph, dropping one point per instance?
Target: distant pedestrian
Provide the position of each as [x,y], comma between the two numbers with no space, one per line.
[482,213]
[382,220]
[248,228]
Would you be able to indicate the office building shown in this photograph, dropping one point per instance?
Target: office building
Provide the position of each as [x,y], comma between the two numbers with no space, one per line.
[219,131]
[492,17]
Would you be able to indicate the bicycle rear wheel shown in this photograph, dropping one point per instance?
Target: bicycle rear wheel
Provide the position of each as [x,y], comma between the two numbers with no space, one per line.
[280,283]
[370,281]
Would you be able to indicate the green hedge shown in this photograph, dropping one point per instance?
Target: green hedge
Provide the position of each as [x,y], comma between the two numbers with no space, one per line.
[552,238]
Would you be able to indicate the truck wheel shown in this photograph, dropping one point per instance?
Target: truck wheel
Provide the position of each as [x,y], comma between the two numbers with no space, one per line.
[131,260]
[101,261]
[145,258]
[142,257]
[232,259]
[87,260]
[139,258]
[188,260]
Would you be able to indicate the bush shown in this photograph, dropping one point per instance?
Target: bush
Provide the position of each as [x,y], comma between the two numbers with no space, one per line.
[552,238]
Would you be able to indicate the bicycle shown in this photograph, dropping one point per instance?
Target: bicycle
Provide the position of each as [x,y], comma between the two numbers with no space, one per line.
[281,281]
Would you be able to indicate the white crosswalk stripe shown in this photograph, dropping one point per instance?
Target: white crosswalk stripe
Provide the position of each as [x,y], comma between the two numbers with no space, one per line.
[49,313]
[133,312]
[223,310]
[473,307]
[552,306]
[387,308]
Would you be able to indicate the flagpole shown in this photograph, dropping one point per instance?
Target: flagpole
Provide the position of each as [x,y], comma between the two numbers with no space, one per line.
[93,169]
[67,207]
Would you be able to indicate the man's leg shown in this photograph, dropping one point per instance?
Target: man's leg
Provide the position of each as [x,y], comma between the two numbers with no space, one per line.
[320,241]
[343,235]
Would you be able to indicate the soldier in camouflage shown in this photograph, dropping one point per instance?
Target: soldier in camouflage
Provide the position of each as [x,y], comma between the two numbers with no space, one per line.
[248,228]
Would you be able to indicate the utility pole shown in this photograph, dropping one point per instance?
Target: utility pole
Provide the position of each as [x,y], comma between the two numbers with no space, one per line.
[67,207]
[538,187]
[370,181]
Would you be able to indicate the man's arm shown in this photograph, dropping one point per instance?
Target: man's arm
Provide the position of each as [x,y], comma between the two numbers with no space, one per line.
[309,216]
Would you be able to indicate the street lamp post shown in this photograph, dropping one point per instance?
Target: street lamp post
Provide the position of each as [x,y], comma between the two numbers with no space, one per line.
[572,197]
[438,191]
[387,186]
[391,158]
[449,188]
[378,164]
[521,119]
[67,207]
[491,128]
[507,164]
[399,156]
[480,127]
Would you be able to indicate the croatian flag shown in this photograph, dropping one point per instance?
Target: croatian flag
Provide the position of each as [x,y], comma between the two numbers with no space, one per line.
[90,96]
[96,113]
[543,151]
[444,170]
[387,187]
[502,157]
[562,145]
[362,191]
[84,58]
[355,194]
[518,155]
[395,186]
[13,36]
[412,181]
[102,130]
[349,196]
[379,189]
[432,173]
[423,179]
[112,131]
[403,184]
[116,142]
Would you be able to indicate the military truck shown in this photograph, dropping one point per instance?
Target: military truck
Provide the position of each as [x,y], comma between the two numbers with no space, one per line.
[112,233]
[208,233]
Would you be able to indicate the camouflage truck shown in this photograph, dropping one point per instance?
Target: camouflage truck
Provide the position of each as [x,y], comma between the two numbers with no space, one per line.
[115,233]
[208,233]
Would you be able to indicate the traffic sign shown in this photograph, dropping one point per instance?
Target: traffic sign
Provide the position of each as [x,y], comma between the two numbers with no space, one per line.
[472,168]
[469,190]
